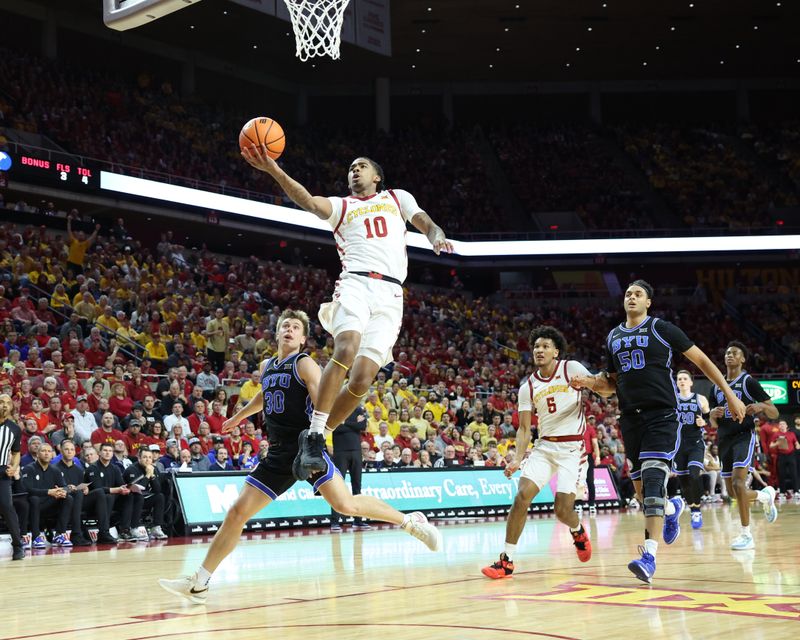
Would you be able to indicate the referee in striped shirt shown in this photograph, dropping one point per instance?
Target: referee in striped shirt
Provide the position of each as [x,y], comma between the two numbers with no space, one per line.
[10,444]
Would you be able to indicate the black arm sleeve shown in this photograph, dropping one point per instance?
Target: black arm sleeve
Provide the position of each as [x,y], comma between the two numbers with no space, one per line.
[755,390]
[674,336]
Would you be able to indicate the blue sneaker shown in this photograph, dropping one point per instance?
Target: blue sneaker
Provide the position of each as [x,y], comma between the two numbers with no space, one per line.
[39,542]
[644,567]
[61,540]
[672,525]
[697,520]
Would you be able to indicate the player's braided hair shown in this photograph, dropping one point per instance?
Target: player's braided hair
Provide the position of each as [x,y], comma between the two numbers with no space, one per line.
[740,346]
[548,333]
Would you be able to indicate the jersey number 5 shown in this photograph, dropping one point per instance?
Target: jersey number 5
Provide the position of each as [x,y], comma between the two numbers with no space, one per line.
[551,405]
[380,227]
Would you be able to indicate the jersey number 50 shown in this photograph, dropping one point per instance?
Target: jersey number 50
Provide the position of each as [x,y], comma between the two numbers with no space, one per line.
[632,360]
[273,402]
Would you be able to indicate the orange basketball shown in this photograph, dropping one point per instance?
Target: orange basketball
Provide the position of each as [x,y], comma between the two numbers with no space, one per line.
[263,131]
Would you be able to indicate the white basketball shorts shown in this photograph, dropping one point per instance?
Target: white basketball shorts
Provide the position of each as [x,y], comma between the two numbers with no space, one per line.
[547,459]
[374,308]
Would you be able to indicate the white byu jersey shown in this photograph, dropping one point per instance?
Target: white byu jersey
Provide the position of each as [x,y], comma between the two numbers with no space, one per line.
[370,232]
[558,405]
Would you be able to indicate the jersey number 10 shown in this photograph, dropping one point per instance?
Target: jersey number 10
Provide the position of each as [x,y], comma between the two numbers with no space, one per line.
[380,227]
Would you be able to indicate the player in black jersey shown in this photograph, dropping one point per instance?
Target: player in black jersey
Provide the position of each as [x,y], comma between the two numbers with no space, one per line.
[640,355]
[688,462]
[289,384]
[737,440]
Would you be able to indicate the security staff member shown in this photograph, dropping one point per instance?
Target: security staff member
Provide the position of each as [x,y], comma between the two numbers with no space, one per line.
[47,492]
[10,445]
[84,496]
[347,457]
[106,476]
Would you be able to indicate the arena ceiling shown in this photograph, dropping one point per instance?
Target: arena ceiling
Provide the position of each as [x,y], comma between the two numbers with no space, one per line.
[513,40]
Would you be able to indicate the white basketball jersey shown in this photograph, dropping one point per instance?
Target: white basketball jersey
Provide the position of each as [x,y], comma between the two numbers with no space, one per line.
[558,405]
[370,232]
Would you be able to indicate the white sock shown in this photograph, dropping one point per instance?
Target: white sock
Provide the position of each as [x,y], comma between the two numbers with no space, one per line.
[203,576]
[651,546]
[577,528]
[669,508]
[510,550]
[318,422]
[746,530]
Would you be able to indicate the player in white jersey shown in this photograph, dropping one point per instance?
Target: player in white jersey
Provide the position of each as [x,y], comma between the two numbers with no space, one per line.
[558,450]
[366,312]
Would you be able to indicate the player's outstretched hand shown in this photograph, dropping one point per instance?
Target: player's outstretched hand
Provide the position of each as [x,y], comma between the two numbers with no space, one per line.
[228,425]
[717,413]
[737,409]
[581,382]
[257,156]
[442,245]
[511,469]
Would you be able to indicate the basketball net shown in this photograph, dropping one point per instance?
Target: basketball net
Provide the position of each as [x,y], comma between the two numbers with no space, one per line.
[317,26]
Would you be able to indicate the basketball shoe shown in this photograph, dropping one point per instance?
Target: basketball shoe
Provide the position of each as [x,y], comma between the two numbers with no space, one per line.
[767,499]
[697,520]
[311,448]
[743,542]
[417,525]
[672,525]
[188,587]
[644,567]
[583,546]
[503,568]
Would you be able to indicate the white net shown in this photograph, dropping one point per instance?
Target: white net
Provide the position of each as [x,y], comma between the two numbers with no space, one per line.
[317,26]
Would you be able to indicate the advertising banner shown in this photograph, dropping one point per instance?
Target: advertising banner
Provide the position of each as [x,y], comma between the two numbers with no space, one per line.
[206,497]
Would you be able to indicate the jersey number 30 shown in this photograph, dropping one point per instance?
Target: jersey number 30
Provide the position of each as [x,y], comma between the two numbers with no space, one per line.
[379,222]
[273,402]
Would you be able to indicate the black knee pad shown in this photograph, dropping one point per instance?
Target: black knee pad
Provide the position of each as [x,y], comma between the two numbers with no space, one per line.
[655,474]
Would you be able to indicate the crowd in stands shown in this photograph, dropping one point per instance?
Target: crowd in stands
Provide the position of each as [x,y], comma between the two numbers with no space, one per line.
[777,146]
[702,175]
[567,168]
[143,123]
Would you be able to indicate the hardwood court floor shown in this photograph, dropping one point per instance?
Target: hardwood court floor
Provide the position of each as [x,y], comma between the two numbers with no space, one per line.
[385,583]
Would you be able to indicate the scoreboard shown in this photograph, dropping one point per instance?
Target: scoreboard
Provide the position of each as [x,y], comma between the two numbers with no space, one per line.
[52,169]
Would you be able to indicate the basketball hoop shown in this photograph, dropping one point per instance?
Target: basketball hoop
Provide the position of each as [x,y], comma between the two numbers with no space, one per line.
[317,26]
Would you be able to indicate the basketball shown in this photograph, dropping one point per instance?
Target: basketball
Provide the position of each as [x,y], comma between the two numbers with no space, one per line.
[264,131]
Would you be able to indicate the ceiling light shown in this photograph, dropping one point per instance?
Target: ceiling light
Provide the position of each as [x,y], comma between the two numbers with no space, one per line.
[255,46]
[644,64]
[418,50]
[588,28]
[777,4]
[577,48]
[423,31]
[604,5]
[498,49]
[516,6]
[567,63]
[672,28]
[491,66]
[738,45]
[224,13]
[722,62]
[755,28]
[691,5]
[658,48]
[191,27]
[506,29]
[413,66]
[429,9]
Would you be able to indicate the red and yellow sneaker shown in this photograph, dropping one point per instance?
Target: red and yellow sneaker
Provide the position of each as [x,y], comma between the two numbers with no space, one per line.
[503,568]
[583,546]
